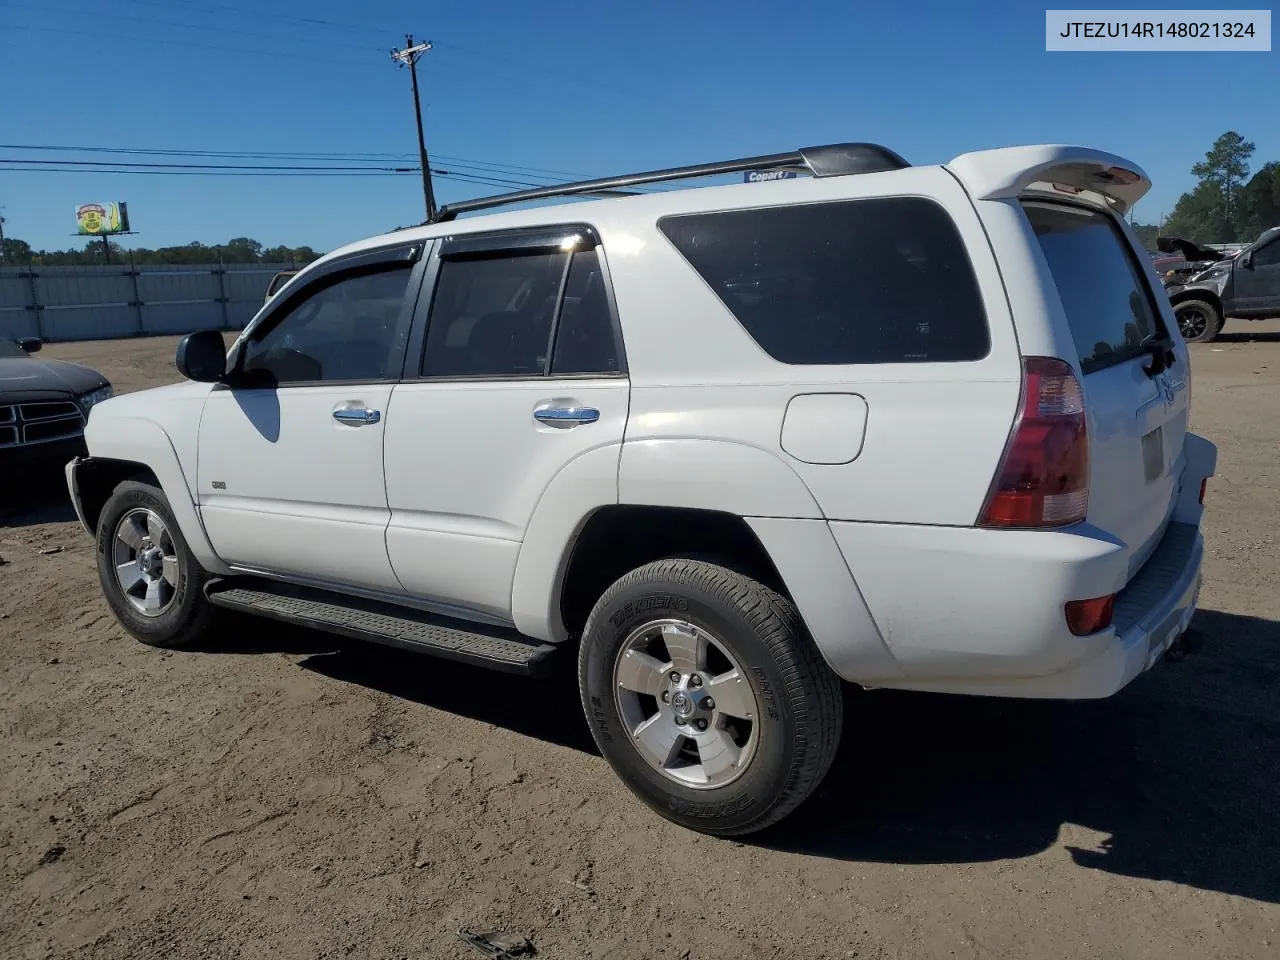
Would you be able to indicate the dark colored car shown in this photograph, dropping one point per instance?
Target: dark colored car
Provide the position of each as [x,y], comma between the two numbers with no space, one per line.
[44,405]
[1245,286]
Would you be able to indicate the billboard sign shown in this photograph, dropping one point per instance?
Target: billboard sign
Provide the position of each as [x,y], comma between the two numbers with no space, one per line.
[762,176]
[102,219]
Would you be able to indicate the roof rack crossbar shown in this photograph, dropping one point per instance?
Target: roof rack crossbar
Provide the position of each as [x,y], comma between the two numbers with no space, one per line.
[825,161]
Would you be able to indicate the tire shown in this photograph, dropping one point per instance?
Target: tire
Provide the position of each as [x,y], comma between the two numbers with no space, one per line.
[1198,320]
[783,752]
[182,616]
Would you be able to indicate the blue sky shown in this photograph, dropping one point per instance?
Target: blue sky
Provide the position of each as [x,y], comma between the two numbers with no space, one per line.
[584,89]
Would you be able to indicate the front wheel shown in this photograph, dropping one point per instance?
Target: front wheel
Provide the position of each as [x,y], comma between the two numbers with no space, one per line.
[706,695]
[1198,320]
[151,580]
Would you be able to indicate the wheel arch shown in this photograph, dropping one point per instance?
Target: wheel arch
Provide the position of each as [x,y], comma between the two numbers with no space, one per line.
[1196,293]
[141,450]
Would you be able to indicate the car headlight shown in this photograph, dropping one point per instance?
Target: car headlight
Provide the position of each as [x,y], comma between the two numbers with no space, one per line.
[88,400]
[1213,273]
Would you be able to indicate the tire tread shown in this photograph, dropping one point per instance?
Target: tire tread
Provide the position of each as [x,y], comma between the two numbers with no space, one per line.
[813,690]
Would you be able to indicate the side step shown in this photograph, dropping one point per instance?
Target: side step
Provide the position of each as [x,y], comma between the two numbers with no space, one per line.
[493,647]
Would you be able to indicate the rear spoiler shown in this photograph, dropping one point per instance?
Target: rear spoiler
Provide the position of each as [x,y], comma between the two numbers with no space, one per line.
[1010,172]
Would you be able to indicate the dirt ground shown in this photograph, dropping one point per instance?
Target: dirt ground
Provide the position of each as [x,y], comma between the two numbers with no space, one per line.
[286,795]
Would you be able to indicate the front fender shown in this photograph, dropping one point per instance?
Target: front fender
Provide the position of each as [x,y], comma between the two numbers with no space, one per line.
[145,442]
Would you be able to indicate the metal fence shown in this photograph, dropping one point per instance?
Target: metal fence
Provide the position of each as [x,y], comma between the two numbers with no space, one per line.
[105,302]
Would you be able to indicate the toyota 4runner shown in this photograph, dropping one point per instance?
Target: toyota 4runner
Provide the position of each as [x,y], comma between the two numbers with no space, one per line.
[913,427]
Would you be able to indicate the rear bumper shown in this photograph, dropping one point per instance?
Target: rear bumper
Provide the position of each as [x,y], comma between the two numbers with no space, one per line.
[994,625]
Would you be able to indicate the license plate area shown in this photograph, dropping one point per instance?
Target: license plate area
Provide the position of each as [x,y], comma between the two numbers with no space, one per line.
[1153,455]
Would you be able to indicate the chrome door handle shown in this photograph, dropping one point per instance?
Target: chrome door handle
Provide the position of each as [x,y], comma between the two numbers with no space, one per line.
[565,415]
[357,416]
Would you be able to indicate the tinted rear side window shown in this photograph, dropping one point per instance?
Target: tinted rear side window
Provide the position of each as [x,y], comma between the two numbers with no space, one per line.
[1106,299]
[862,281]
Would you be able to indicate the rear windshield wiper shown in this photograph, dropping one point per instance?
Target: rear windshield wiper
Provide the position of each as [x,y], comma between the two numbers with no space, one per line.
[1160,346]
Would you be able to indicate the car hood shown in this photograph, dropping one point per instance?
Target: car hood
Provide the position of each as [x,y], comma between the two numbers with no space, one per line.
[1189,250]
[28,376]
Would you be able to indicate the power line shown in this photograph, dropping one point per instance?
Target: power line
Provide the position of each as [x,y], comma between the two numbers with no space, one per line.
[370,157]
[181,169]
[198,26]
[201,166]
[186,43]
[279,17]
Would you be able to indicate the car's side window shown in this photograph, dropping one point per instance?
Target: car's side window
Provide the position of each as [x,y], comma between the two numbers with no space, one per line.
[492,316]
[1267,256]
[585,340]
[521,314]
[346,327]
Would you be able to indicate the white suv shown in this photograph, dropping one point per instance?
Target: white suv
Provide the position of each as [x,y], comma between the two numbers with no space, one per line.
[913,427]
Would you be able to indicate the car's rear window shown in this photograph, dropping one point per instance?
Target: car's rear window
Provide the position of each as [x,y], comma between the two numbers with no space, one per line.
[884,280]
[1106,298]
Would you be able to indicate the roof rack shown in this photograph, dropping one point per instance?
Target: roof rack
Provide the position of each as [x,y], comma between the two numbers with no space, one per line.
[832,160]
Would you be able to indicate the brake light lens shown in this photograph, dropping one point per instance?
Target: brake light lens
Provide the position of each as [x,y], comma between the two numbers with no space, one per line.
[1089,616]
[1043,480]
[1204,486]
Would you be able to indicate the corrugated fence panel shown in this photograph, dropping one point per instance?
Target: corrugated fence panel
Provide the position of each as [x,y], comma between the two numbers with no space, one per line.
[101,302]
[89,322]
[85,303]
[17,318]
[246,287]
[177,284]
[179,299]
[174,318]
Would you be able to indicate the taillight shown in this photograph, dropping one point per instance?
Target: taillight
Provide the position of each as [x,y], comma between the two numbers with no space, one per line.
[1043,480]
[1204,486]
[1089,616]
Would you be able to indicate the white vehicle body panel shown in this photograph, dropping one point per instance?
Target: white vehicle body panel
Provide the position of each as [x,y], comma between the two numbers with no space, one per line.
[866,502]
[285,488]
[158,429]
[455,532]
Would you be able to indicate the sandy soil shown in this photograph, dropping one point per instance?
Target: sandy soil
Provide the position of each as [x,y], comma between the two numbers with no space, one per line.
[286,795]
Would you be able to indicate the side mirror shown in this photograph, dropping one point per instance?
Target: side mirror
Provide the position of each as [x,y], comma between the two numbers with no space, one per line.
[30,344]
[202,356]
[1246,260]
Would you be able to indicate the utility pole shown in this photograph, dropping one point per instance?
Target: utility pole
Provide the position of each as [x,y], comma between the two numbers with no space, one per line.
[409,55]
[1,238]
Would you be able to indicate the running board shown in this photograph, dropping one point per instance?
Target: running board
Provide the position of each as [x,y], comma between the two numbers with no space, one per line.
[495,647]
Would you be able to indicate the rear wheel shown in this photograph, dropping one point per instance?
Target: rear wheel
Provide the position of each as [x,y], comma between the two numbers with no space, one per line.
[707,696]
[1198,320]
[150,579]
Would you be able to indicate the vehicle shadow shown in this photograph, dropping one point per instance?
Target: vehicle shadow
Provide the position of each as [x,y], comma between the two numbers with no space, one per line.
[1240,333]
[38,495]
[546,709]
[1181,771]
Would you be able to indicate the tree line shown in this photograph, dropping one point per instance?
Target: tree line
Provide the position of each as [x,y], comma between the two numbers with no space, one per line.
[238,250]
[1226,205]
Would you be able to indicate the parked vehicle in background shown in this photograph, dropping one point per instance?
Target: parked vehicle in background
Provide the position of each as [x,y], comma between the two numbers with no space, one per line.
[43,406]
[1181,259]
[1246,285]
[912,427]
[278,281]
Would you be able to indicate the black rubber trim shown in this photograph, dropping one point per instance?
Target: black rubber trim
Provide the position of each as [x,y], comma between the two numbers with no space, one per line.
[493,647]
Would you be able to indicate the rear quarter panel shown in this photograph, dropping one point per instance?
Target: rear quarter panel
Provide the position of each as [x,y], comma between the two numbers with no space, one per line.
[934,432]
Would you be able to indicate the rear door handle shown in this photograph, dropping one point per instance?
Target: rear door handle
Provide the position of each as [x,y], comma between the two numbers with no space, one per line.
[565,415]
[356,416]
